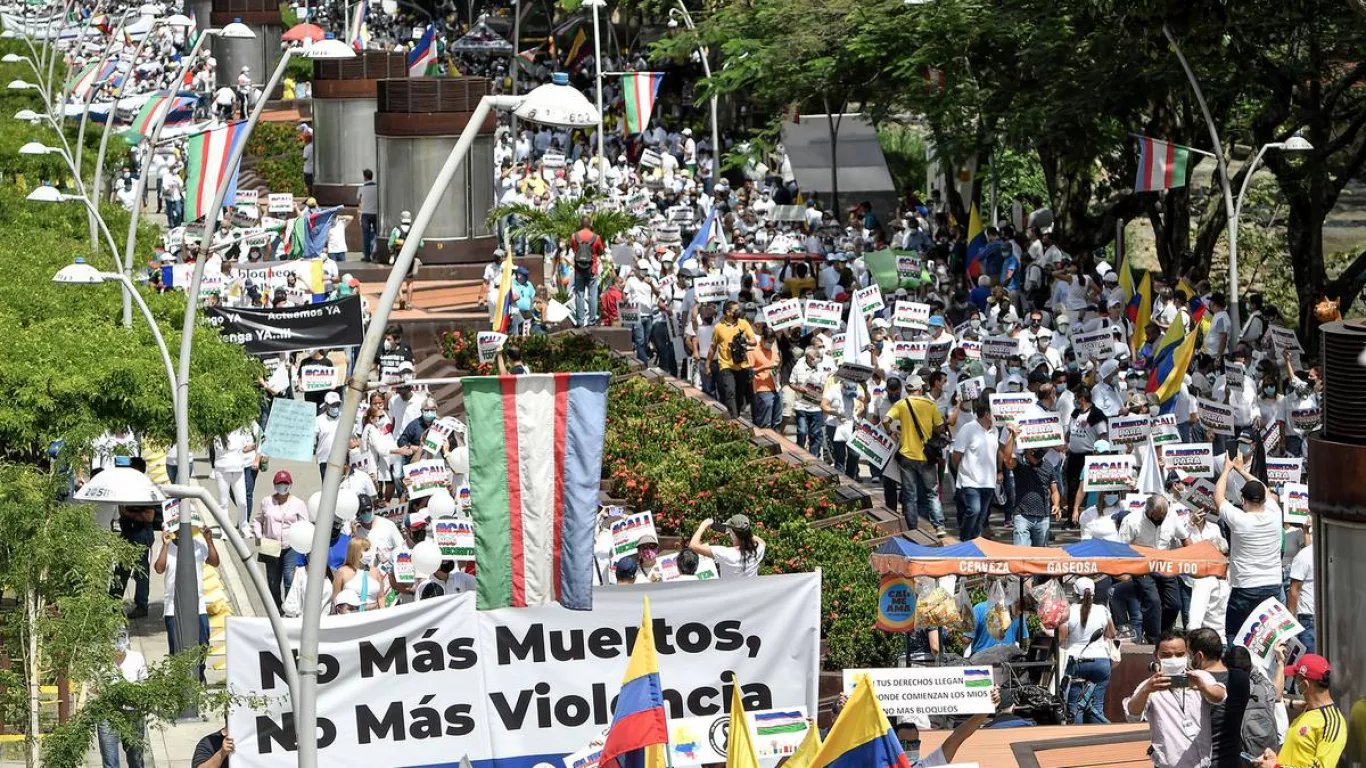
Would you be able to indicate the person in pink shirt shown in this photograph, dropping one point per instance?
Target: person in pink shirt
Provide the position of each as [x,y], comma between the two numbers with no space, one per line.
[270,527]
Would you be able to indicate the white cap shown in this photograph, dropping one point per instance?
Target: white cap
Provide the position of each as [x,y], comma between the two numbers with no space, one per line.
[1108,368]
[1081,586]
[332,398]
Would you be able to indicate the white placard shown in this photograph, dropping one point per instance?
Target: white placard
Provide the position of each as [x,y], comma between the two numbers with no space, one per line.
[1283,339]
[869,300]
[630,313]
[823,314]
[247,198]
[710,288]
[909,351]
[971,389]
[1039,430]
[873,443]
[911,314]
[1295,503]
[1189,459]
[317,378]
[280,202]
[1306,419]
[1094,344]
[627,531]
[781,315]
[455,537]
[910,692]
[1006,406]
[972,349]
[1282,471]
[1200,495]
[1109,472]
[423,478]
[776,733]
[999,348]
[1268,624]
[1129,430]
[552,160]
[1217,417]
[489,343]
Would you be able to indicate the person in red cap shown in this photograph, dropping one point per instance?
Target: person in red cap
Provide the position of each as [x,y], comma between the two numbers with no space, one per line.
[1318,736]
[270,526]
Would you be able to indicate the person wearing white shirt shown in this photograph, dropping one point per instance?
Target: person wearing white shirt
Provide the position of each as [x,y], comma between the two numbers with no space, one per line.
[1216,338]
[1104,394]
[383,534]
[231,453]
[204,554]
[1300,599]
[1086,634]
[132,667]
[1097,521]
[1209,594]
[977,454]
[1156,527]
[325,430]
[1254,562]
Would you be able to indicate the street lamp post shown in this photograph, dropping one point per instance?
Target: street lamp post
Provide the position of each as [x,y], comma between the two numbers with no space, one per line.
[597,88]
[682,11]
[34,118]
[555,104]
[48,194]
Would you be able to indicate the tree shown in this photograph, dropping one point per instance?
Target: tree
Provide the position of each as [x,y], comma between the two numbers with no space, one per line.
[562,219]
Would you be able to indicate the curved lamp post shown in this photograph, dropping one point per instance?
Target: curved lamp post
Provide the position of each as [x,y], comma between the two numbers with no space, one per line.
[674,15]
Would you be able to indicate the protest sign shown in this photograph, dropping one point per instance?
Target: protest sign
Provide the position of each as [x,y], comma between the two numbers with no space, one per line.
[1283,339]
[873,443]
[1164,429]
[1135,503]
[706,568]
[650,159]
[490,342]
[426,477]
[404,573]
[1200,495]
[911,692]
[291,430]
[362,461]
[972,349]
[1039,430]
[462,497]
[776,733]
[781,315]
[280,202]
[627,531]
[709,289]
[590,755]
[823,314]
[629,313]
[907,268]
[1109,472]
[1217,417]
[1295,503]
[1006,406]
[1193,459]
[527,685]
[937,352]
[837,347]
[1268,624]
[1235,374]
[911,314]
[1306,419]
[869,300]
[1129,429]
[971,389]
[318,378]
[909,351]
[552,159]
[1271,436]
[666,233]
[896,604]
[455,538]
[328,325]
[1093,344]
[1282,471]
[246,198]
[999,347]
[439,435]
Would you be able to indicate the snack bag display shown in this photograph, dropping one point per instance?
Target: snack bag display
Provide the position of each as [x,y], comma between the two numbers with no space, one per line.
[998,612]
[1053,605]
[934,607]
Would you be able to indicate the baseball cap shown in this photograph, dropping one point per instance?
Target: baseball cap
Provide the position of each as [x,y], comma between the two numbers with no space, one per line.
[419,519]
[1311,666]
[283,477]
[936,319]
[1083,585]
[1108,367]
[914,382]
[879,322]
[737,523]
[405,366]
[332,398]
[648,538]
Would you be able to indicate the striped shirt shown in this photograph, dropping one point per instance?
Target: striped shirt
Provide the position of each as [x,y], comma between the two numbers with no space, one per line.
[1315,740]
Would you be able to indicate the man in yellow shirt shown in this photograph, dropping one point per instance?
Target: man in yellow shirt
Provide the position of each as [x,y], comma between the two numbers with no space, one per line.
[919,420]
[1318,736]
[732,383]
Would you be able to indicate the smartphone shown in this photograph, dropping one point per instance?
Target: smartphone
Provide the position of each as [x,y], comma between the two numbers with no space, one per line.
[1179,681]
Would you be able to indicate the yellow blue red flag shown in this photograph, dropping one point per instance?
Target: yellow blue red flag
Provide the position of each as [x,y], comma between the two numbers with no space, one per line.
[639,730]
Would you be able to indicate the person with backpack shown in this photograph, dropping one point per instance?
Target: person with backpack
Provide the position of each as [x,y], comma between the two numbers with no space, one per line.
[730,344]
[397,237]
[587,249]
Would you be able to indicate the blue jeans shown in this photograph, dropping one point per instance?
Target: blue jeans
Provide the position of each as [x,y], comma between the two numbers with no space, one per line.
[640,337]
[109,747]
[1241,602]
[810,430]
[842,456]
[768,409]
[1096,672]
[1126,606]
[369,230]
[171,635]
[585,292]
[1307,636]
[973,506]
[919,492]
[1031,531]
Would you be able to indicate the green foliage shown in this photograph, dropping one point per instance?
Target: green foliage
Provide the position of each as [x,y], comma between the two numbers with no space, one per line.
[903,146]
[300,69]
[563,218]
[544,354]
[274,153]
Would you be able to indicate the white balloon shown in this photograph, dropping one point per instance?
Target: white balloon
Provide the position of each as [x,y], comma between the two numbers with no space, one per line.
[426,558]
[313,502]
[441,504]
[348,504]
[301,537]
[459,460]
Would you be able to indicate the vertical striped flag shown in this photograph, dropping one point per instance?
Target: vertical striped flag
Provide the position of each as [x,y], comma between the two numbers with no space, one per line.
[360,31]
[977,242]
[206,164]
[577,49]
[423,54]
[639,729]
[502,308]
[1140,311]
[87,81]
[1161,165]
[171,110]
[535,467]
[640,90]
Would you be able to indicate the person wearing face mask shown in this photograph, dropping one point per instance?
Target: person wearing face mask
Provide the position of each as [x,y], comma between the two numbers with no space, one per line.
[393,354]
[1301,413]
[1204,600]
[976,458]
[1176,702]
[325,430]
[1037,497]
[808,382]
[359,575]
[270,527]
[1104,394]
[1157,528]
[132,668]
[411,440]
[1207,654]
[383,535]
[1271,410]
[731,340]
[1318,737]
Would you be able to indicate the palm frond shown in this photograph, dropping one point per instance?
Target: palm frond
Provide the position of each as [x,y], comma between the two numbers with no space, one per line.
[563,218]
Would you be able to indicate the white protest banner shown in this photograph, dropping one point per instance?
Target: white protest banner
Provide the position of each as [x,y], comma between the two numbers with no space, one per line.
[454,537]
[909,351]
[280,202]
[362,461]
[781,315]
[627,531]
[1282,471]
[911,314]
[971,389]
[439,435]
[873,443]
[629,313]
[1295,503]
[1189,459]
[999,348]
[1164,429]
[869,300]
[1283,339]
[247,198]
[291,430]
[912,692]
[1129,429]
[823,314]
[490,342]
[937,352]
[1217,417]
[318,378]
[1268,624]
[552,159]
[1306,419]
[1093,344]
[971,348]
[1006,406]
[1200,495]
[907,267]
[529,685]
[709,289]
[1039,430]
[666,233]
[1109,472]
[702,740]
[424,478]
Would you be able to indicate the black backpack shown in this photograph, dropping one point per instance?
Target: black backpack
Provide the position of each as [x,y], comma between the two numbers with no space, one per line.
[1259,732]
[583,254]
[739,348]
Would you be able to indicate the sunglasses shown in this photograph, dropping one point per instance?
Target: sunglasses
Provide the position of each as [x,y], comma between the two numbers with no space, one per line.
[910,743]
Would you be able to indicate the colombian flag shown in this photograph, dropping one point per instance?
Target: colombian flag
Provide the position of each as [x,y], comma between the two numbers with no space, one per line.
[1140,311]
[862,737]
[1200,317]
[977,242]
[503,308]
[1170,361]
[639,730]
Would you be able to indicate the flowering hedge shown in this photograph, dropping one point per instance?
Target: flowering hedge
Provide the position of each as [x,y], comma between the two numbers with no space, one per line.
[686,462]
